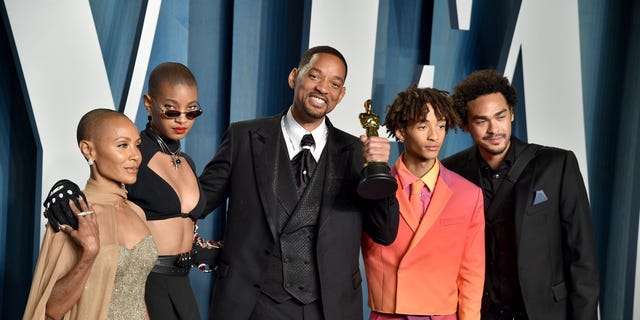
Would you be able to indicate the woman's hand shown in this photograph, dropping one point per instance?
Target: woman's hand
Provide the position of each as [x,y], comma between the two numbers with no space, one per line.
[87,237]
[68,289]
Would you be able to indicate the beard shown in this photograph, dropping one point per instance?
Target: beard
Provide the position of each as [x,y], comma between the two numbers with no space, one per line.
[496,150]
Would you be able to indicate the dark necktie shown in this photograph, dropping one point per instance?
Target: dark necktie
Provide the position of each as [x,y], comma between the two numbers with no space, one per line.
[304,163]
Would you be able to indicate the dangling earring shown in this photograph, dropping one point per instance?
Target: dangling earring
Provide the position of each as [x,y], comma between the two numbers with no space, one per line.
[90,161]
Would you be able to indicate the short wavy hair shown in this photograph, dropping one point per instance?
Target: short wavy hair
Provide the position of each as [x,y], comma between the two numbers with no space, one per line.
[307,55]
[480,83]
[409,107]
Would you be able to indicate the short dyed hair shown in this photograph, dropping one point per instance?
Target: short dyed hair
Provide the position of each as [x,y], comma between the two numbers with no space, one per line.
[410,106]
[91,120]
[480,83]
[307,55]
[173,73]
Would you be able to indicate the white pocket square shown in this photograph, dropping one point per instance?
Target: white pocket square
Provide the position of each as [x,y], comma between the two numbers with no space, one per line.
[540,197]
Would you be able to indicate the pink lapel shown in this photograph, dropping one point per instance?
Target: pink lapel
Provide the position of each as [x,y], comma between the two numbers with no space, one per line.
[439,199]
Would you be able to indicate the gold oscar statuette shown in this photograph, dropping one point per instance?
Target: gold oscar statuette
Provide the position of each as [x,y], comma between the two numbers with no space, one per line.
[376,182]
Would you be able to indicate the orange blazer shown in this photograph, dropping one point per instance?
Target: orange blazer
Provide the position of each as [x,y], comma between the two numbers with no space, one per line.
[435,266]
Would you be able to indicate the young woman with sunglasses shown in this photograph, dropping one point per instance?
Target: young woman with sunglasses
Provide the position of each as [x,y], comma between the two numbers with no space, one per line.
[168,190]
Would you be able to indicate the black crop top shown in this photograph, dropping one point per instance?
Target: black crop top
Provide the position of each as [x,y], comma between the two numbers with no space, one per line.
[152,193]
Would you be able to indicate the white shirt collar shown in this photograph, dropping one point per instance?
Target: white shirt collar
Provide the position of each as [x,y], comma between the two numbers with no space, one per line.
[293,132]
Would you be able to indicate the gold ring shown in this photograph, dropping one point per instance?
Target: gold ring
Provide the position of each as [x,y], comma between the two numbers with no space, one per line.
[84,213]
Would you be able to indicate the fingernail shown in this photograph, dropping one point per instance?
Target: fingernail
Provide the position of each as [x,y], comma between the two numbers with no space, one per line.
[62,227]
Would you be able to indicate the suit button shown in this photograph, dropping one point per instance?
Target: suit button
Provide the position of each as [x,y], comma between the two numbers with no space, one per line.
[267,251]
[255,285]
[285,260]
[300,287]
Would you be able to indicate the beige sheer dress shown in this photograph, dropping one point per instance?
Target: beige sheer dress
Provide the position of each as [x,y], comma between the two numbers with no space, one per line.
[58,254]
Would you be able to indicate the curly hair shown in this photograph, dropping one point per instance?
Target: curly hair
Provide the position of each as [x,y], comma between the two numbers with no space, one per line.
[410,106]
[480,83]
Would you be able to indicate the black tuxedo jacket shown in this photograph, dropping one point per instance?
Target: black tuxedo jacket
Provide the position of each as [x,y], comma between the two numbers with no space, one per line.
[248,170]
[555,245]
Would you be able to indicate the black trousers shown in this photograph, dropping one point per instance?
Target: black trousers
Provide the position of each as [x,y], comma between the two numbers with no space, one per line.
[497,312]
[267,309]
[170,297]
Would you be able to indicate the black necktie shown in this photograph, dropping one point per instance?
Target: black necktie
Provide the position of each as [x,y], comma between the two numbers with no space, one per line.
[304,163]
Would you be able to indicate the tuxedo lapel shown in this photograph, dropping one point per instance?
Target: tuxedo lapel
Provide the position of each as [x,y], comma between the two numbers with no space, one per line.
[285,189]
[339,154]
[523,191]
[266,145]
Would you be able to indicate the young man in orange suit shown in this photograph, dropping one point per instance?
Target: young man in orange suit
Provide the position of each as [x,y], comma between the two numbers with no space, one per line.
[435,267]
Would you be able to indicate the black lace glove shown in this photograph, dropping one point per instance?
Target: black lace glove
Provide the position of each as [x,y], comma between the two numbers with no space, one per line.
[56,205]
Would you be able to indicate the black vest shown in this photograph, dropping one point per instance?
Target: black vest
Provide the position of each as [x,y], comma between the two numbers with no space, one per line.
[293,270]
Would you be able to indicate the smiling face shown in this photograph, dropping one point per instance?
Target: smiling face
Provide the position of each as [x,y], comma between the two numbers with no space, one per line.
[318,88]
[489,119]
[423,139]
[180,97]
[114,147]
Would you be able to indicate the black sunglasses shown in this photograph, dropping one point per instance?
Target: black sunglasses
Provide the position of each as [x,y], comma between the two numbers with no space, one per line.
[173,114]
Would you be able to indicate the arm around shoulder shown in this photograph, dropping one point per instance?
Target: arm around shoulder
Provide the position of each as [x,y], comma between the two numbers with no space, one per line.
[215,176]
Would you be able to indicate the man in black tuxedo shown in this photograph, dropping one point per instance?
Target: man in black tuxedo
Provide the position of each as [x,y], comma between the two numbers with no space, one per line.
[295,220]
[541,261]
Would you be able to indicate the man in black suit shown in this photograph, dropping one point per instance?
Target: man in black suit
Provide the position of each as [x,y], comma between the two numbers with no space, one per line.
[541,261]
[295,220]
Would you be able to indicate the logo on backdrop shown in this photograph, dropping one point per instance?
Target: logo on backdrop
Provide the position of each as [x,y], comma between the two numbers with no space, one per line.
[66,69]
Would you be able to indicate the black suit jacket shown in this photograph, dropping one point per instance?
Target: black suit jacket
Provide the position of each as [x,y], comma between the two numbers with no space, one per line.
[556,263]
[245,169]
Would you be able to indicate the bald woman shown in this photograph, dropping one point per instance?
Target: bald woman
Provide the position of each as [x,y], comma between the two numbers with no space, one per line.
[98,271]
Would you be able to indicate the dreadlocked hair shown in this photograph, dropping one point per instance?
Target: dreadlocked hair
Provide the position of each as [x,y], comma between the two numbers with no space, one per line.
[410,106]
